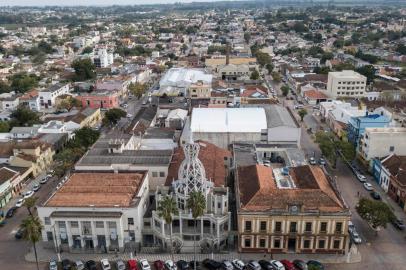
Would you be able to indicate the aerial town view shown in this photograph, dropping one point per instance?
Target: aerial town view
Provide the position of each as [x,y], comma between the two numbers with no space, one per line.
[203,135]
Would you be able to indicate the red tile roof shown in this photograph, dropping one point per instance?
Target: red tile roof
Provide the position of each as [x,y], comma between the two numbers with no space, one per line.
[315,94]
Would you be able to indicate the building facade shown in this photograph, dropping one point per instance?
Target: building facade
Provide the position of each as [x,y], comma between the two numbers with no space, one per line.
[47,96]
[346,83]
[357,125]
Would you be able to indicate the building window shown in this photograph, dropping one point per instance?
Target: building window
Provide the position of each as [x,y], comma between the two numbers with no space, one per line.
[74,224]
[262,226]
[262,243]
[154,174]
[161,174]
[130,221]
[322,243]
[278,226]
[277,243]
[391,148]
[61,224]
[339,227]
[336,244]
[111,224]
[248,226]
[292,227]
[50,236]
[306,244]
[323,227]
[247,243]
[308,227]
[99,224]
[47,221]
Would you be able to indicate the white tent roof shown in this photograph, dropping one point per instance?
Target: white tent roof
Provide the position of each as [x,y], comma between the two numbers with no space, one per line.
[228,120]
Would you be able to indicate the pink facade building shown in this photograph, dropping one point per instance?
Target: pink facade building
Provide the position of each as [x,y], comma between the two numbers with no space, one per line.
[96,100]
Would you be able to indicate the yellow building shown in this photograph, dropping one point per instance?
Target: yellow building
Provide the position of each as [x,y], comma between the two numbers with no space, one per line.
[199,89]
[221,61]
[298,212]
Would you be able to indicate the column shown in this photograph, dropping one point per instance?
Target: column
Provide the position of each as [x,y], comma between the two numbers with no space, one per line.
[180,225]
[163,227]
[201,228]
[94,235]
[218,230]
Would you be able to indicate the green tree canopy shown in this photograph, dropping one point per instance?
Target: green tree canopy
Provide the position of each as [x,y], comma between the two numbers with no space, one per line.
[247,37]
[84,137]
[302,113]
[22,82]
[4,87]
[137,89]
[276,76]
[167,208]
[4,126]
[377,213]
[112,116]
[263,58]
[23,116]
[84,69]
[32,227]
[87,50]
[254,75]
[285,90]
[368,71]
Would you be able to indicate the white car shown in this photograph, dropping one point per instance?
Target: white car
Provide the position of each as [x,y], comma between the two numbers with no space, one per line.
[53,265]
[351,226]
[129,115]
[355,237]
[28,194]
[43,180]
[312,161]
[169,265]
[368,186]
[144,265]
[36,187]
[79,265]
[277,265]
[120,265]
[105,264]
[238,264]
[125,105]
[59,185]
[361,178]
[20,202]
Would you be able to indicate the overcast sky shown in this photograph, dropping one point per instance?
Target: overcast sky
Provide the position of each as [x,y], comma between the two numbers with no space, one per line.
[89,2]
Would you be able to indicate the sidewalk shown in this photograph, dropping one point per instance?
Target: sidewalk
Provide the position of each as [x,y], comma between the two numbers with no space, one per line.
[45,255]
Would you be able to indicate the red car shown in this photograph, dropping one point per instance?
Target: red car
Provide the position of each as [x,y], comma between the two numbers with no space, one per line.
[288,265]
[132,265]
[159,265]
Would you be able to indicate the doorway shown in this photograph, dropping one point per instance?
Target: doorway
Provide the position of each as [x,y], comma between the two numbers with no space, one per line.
[292,244]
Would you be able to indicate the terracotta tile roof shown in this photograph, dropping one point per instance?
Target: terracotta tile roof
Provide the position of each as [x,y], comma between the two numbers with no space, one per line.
[212,158]
[396,165]
[258,191]
[98,189]
[29,95]
[315,94]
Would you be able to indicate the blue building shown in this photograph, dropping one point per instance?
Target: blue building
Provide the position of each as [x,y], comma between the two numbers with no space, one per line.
[356,125]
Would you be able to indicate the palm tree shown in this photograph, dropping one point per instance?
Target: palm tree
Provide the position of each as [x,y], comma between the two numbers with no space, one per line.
[31,227]
[197,203]
[167,208]
[30,203]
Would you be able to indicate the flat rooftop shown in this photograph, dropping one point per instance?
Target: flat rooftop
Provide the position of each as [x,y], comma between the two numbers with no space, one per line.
[98,190]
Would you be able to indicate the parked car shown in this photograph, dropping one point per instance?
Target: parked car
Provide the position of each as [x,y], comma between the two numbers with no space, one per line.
[91,265]
[120,265]
[53,265]
[288,265]
[300,265]
[20,202]
[28,194]
[10,213]
[66,264]
[132,265]
[355,237]
[253,265]
[19,233]
[169,265]
[322,161]
[159,265]
[44,180]
[265,265]
[144,265]
[211,264]
[312,161]
[361,177]
[36,187]
[60,184]
[351,226]
[277,265]
[375,195]
[182,265]
[238,264]
[398,224]
[226,265]
[105,264]
[368,186]
[315,265]
[80,265]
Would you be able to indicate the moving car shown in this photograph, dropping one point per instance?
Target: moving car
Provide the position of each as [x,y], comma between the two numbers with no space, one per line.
[53,265]
[120,265]
[277,265]
[105,264]
[144,265]
[182,265]
[398,224]
[355,237]
[300,265]
[36,187]
[91,265]
[368,186]
[169,265]
[80,265]
[129,115]
[265,265]
[375,195]
[20,202]
[315,265]
[66,264]
[28,194]
[238,264]
[253,265]
[19,233]
[11,212]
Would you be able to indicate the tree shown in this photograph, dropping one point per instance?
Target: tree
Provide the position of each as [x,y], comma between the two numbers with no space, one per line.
[87,50]
[113,115]
[254,75]
[299,27]
[29,203]
[39,58]
[346,148]
[137,89]
[68,103]
[45,47]
[321,70]
[327,147]
[84,138]
[167,208]
[4,126]
[84,69]
[22,82]
[23,116]
[276,76]
[269,67]
[247,37]
[368,71]
[285,90]
[31,227]
[197,203]
[4,87]
[263,58]
[302,113]
[377,213]
[401,48]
